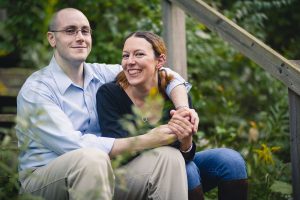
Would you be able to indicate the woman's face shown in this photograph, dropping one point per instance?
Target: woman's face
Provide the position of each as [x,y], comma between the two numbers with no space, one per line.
[139,63]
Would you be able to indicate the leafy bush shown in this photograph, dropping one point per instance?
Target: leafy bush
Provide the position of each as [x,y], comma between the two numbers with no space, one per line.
[239,104]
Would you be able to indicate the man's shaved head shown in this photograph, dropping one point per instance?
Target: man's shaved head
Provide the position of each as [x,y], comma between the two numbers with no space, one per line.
[53,22]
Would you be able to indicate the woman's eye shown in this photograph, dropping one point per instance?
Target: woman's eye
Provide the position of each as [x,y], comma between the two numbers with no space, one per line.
[139,54]
[125,56]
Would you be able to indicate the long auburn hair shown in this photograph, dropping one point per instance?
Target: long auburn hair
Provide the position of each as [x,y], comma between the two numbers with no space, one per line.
[159,48]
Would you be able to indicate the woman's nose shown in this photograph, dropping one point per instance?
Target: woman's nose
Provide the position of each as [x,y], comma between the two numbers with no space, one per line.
[131,59]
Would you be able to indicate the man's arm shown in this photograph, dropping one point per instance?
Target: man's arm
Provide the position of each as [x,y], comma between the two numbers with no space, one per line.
[154,138]
[177,81]
[42,120]
[177,91]
[179,96]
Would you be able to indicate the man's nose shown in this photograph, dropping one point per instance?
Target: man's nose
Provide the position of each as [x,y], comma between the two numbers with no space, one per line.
[79,34]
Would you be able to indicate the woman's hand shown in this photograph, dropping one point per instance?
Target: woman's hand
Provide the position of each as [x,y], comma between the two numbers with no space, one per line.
[180,124]
[193,116]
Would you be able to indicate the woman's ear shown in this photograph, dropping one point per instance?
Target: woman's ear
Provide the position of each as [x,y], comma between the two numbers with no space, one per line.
[51,39]
[161,61]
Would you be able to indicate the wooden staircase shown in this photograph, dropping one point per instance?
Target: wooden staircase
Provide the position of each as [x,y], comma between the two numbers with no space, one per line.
[287,71]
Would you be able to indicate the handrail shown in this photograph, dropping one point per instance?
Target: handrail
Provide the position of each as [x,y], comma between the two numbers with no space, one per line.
[247,44]
[287,71]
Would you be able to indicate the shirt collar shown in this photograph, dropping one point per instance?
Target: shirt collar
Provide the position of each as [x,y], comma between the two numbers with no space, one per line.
[89,75]
[63,82]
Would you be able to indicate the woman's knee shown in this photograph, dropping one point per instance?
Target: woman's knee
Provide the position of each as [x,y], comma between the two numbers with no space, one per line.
[228,164]
[193,175]
[233,164]
[192,169]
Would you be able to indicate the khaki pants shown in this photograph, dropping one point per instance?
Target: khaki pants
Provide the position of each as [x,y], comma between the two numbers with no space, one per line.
[87,174]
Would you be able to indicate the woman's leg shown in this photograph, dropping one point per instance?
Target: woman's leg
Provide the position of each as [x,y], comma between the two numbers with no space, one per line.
[194,186]
[193,175]
[220,167]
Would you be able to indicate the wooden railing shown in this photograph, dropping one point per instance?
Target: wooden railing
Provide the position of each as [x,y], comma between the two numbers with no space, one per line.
[11,80]
[286,71]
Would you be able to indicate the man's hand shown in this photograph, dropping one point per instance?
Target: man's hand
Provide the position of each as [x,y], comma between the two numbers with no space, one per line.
[159,136]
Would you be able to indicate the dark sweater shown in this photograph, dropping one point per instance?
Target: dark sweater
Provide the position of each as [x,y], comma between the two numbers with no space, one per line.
[113,104]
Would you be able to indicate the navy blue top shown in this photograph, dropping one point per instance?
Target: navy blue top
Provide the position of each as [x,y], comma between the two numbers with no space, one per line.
[113,104]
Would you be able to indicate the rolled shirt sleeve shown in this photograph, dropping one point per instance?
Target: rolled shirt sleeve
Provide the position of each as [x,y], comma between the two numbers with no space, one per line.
[178,80]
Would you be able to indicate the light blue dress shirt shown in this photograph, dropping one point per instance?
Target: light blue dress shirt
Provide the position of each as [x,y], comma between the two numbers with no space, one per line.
[55,116]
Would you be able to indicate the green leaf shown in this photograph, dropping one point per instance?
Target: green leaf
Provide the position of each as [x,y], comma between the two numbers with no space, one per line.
[281,187]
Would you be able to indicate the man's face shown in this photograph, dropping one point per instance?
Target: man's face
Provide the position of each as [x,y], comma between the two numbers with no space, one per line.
[72,37]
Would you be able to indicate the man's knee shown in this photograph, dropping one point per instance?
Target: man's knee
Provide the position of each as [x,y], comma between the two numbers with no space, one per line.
[92,155]
[170,155]
[90,158]
[91,173]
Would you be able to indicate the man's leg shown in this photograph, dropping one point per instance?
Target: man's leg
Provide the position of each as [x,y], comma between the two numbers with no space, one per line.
[80,174]
[156,174]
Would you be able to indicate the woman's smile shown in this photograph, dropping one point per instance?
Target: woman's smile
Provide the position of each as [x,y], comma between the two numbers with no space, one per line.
[134,72]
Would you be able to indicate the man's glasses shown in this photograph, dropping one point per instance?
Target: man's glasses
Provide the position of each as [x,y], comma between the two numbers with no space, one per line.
[74,31]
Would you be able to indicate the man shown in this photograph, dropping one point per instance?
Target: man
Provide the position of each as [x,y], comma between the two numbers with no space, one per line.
[65,156]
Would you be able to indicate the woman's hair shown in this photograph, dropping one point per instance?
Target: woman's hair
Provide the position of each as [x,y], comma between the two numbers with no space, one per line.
[159,48]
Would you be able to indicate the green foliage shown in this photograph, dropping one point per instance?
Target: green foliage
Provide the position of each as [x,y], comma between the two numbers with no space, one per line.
[8,166]
[239,104]
[9,184]
[27,24]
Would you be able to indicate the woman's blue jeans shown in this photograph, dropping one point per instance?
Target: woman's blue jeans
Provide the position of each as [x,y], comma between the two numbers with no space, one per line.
[210,167]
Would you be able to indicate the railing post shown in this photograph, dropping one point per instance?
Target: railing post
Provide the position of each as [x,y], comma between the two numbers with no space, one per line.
[294,107]
[174,36]
[3,14]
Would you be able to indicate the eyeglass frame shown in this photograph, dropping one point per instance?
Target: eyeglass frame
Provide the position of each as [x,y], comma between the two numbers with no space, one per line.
[75,33]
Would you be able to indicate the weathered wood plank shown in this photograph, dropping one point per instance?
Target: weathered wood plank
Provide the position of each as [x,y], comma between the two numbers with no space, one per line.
[11,80]
[7,118]
[174,36]
[294,106]
[250,46]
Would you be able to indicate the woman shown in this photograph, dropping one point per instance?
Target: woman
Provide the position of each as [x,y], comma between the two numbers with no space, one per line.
[144,53]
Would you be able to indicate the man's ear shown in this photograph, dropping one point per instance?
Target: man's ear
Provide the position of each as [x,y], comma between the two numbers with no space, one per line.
[51,39]
[161,61]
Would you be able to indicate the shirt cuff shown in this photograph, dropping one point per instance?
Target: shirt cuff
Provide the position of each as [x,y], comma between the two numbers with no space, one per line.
[178,80]
[107,143]
[174,83]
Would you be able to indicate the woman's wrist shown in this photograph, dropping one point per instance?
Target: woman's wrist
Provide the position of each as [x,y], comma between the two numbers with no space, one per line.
[188,150]
[186,146]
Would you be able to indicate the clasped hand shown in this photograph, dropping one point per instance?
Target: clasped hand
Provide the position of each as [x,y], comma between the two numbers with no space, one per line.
[182,126]
[184,123]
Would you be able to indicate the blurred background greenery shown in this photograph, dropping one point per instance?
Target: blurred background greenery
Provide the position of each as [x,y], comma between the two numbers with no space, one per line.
[239,104]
